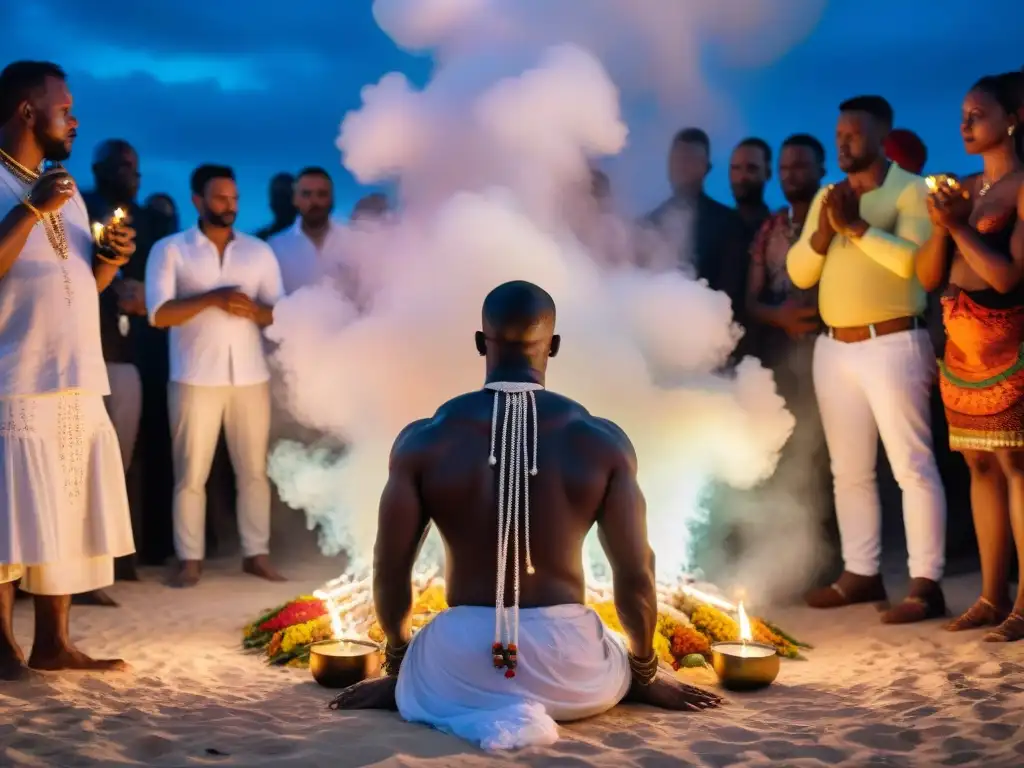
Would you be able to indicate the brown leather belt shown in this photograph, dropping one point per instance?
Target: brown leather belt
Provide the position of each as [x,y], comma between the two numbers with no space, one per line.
[855,333]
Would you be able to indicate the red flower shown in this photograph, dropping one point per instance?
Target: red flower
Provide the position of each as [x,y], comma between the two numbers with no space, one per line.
[295,613]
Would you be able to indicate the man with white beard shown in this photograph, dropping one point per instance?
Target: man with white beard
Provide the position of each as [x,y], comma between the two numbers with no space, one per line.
[551,658]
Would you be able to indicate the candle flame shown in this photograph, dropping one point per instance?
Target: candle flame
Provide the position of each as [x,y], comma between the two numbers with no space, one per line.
[932,183]
[119,215]
[746,635]
[97,230]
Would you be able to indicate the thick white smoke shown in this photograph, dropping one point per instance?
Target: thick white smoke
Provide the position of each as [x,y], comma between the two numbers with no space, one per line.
[492,160]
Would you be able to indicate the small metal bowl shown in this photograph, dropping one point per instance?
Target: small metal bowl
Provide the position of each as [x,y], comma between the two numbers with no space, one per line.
[744,666]
[341,663]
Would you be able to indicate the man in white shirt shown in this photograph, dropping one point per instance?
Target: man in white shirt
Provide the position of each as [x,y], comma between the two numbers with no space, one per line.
[63,507]
[309,247]
[215,288]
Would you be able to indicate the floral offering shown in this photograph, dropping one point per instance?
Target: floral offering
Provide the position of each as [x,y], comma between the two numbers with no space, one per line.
[685,631]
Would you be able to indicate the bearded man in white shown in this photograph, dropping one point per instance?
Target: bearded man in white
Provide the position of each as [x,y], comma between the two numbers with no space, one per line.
[63,506]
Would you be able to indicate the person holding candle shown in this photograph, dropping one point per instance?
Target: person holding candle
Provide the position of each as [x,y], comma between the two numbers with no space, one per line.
[561,471]
[978,246]
[128,344]
[874,365]
[63,507]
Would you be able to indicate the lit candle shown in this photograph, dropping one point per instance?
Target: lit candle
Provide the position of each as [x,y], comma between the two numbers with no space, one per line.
[745,650]
[97,232]
[119,215]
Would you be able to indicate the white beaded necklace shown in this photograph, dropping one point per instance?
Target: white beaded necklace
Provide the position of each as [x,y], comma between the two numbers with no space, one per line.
[514,472]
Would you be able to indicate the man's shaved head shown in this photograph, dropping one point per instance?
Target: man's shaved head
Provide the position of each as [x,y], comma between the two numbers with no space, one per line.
[518,322]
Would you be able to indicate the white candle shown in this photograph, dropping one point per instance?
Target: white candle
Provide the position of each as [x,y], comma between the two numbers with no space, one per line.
[744,651]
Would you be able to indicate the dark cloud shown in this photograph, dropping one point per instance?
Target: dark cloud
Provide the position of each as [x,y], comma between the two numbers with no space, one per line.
[263,85]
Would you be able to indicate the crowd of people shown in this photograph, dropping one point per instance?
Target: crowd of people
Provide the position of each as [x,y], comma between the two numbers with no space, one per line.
[164,375]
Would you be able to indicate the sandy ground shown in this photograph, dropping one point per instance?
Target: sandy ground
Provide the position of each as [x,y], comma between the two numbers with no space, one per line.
[868,696]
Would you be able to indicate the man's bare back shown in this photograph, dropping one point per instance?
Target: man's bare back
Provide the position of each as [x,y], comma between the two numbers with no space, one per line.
[440,473]
[458,492]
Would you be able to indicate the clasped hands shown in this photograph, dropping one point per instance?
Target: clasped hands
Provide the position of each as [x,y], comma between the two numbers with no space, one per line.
[840,211]
[232,300]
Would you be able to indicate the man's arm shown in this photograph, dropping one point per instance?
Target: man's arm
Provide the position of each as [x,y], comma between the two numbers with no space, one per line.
[622,530]
[104,274]
[164,308]
[271,290]
[803,262]
[14,231]
[897,251]
[401,527]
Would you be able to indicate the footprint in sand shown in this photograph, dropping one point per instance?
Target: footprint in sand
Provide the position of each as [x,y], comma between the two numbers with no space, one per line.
[885,737]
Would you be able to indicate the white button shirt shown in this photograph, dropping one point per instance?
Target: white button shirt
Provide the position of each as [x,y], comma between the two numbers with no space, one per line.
[213,349]
[300,261]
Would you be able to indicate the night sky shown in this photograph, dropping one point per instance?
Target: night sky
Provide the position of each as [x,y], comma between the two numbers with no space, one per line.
[191,82]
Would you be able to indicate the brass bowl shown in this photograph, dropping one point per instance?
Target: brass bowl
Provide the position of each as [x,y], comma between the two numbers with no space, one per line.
[744,672]
[341,663]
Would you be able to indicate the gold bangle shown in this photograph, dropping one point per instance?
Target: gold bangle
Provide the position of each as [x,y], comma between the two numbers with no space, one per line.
[110,261]
[32,209]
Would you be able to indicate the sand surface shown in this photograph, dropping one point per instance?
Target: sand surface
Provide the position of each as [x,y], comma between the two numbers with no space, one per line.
[868,696]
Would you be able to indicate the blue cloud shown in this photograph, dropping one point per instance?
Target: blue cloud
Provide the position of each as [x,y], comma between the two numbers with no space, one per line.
[263,86]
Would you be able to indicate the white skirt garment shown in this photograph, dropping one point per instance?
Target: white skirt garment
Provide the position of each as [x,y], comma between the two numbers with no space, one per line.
[62,491]
[570,667]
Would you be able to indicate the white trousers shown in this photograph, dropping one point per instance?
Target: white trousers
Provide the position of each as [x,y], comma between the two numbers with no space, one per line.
[867,389]
[124,404]
[196,415]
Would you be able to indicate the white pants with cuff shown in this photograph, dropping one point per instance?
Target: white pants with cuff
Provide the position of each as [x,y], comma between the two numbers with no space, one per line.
[872,388]
[197,414]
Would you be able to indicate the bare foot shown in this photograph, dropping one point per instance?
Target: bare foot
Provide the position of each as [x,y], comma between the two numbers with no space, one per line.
[260,566]
[378,693]
[12,665]
[71,659]
[96,597]
[187,575]
[666,692]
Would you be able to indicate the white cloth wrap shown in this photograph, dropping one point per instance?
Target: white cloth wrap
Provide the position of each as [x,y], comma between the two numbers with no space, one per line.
[570,666]
[62,490]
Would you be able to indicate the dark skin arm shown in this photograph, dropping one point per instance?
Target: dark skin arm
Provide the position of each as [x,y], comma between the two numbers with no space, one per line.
[1002,273]
[622,530]
[931,260]
[401,528]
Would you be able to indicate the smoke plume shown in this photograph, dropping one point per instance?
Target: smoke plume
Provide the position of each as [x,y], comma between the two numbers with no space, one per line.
[492,160]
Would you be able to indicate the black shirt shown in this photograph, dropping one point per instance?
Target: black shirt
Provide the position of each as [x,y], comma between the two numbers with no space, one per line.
[118,347]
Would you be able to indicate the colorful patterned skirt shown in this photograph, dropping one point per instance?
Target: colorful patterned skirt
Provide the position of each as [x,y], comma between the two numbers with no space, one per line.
[982,374]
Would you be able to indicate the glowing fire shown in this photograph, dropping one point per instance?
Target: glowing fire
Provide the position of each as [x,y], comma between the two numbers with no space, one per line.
[746,634]
[349,601]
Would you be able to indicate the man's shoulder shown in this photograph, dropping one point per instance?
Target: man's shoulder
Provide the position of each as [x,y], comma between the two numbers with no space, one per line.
[906,184]
[172,242]
[256,249]
[277,241]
